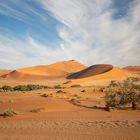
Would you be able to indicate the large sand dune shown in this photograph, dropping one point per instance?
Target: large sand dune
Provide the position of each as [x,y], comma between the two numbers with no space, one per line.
[114,73]
[59,69]
[91,71]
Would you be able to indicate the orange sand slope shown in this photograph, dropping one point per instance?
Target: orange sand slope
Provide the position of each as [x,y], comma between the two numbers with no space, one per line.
[3,72]
[91,71]
[70,66]
[59,69]
[115,73]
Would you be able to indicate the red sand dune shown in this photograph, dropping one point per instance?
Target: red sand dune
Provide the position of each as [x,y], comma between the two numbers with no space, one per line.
[3,72]
[132,68]
[91,71]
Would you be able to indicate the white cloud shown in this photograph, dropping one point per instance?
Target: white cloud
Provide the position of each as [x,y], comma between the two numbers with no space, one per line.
[16,53]
[92,36]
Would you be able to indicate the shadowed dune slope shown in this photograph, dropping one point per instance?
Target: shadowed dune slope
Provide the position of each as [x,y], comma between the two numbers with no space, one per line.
[3,72]
[91,71]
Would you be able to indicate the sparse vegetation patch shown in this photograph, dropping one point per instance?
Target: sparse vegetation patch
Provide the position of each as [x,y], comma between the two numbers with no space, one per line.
[120,94]
[8,113]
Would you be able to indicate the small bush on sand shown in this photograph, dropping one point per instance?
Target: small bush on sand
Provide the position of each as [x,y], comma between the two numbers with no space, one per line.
[21,88]
[5,88]
[57,87]
[123,93]
[83,90]
[76,85]
[8,113]
[59,91]
[44,95]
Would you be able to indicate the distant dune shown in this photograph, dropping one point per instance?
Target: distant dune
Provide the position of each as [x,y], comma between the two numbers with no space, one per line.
[133,69]
[3,72]
[91,71]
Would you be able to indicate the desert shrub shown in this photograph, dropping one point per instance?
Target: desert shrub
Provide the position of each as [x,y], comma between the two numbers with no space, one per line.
[59,91]
[21,88]
[44,95]
[83,90]
[29,87]
[8,113]
[5,88]
[123,93]
[76,85]
[101,89]
[57,87]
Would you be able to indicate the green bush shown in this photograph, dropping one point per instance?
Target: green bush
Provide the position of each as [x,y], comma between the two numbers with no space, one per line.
[123,93]
[21,88]
[29,87]
[5,88]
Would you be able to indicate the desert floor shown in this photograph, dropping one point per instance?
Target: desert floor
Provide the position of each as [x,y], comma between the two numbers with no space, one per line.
[68,115]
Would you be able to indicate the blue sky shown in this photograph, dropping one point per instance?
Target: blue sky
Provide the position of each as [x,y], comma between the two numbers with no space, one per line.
[35,32]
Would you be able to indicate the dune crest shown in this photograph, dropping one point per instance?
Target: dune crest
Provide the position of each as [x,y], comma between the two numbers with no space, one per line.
[70,66]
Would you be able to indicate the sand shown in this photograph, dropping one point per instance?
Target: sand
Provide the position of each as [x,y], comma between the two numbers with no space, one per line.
[4,71]
[70,114]
[56,117]
[103,79]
